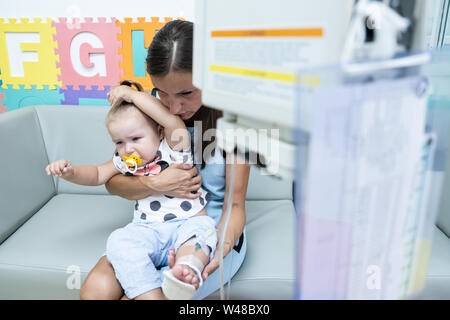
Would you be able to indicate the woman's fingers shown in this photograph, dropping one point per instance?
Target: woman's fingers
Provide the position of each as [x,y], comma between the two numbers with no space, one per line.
[197,179]
[192,176]
[210,267]
[184,178]
[191,183]
[183,194]
[194,188]
[182,181]
[193,196]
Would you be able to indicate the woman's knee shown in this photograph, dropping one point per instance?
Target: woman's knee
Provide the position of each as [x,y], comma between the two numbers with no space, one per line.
[101,283]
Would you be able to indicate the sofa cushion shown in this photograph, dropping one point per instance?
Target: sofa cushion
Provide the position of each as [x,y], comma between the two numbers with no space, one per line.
[72,229]
[268,269]
[24,186]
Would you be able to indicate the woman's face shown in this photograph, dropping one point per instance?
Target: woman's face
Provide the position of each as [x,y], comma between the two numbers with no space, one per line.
[177,93]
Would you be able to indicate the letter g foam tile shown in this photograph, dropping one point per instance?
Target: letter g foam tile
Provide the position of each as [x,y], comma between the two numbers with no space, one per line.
[107,33]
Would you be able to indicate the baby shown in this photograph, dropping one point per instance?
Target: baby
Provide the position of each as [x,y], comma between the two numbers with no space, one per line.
[148,139]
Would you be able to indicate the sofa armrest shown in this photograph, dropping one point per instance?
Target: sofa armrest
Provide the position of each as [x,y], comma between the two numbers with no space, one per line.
[24,185]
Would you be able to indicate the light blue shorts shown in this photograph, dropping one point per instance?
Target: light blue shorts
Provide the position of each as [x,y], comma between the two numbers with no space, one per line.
[138,249]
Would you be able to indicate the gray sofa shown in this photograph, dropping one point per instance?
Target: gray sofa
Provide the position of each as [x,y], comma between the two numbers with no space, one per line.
[50,229]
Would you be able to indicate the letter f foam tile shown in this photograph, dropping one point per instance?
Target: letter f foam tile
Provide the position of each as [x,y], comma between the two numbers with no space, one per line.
[27,54]
[99,38]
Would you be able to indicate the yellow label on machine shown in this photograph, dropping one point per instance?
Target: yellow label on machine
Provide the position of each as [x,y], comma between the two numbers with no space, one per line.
[287,77]
[287,32]
[420,266]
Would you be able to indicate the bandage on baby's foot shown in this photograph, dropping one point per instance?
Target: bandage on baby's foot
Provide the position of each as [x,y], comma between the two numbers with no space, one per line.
[175,289]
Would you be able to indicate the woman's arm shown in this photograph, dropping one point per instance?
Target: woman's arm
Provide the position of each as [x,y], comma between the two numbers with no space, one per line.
[131,187]
[178,180]
[174,128]
[237,218]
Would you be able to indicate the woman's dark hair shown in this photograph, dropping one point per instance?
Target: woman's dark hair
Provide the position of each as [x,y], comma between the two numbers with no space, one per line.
[171,51]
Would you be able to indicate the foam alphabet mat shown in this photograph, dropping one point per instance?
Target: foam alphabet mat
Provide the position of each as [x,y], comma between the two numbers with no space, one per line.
[57,62]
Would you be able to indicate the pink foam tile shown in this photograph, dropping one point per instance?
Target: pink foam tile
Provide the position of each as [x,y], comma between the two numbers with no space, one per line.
[107,33]
[2,107]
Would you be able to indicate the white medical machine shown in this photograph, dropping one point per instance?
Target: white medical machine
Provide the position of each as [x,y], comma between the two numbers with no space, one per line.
[247,55]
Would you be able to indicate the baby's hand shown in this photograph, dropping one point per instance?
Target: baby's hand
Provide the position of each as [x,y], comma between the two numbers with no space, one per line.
[60,168]
[119,94]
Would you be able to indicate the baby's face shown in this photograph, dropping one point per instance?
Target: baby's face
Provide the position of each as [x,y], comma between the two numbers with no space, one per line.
[134,135]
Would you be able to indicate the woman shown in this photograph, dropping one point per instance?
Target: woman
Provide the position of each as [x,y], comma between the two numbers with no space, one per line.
[169,64]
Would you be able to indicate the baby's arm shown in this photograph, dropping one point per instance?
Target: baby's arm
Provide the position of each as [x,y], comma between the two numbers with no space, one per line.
[175,130]
[84,175]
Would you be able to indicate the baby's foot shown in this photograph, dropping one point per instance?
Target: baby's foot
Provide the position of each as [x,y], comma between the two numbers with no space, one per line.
[181,271]
[186,274]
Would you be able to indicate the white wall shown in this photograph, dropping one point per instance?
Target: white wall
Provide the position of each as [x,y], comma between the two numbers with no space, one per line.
[96,8]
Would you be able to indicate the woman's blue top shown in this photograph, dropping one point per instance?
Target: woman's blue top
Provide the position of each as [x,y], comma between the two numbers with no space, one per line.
[213,181]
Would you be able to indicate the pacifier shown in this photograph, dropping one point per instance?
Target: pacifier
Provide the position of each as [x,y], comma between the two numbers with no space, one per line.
[132,161]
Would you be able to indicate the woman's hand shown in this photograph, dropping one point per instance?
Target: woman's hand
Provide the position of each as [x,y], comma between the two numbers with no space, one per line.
[213,265]
[118,94]
[178,180]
